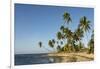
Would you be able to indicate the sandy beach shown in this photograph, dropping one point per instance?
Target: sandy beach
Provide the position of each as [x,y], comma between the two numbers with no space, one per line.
[71,57]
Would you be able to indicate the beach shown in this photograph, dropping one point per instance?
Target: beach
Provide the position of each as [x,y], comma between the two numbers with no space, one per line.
[45,58]
[72,57]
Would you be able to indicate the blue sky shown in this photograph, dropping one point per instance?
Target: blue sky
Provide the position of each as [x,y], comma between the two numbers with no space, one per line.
[34,23]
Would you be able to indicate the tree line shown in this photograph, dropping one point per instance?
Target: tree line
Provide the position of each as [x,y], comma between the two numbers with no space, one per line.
[71,41]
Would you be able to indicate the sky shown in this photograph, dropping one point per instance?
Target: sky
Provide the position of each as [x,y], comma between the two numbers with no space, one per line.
[34,23]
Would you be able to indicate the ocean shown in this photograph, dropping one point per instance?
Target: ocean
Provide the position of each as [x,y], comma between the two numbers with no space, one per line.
[32,59]
[28,59]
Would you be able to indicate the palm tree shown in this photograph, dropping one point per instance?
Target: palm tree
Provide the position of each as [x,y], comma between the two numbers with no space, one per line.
[92,36]
[59,35]
[59,48]
[65,32]
[75,37]
[91,44]
[80,46]
[40,44]
[68,34]
[66,17]
[53,41]
[62,28]
[50,43]
[79,33]
[84,24]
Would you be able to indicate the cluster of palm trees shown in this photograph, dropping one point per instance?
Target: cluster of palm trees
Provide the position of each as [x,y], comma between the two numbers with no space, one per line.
[71,41]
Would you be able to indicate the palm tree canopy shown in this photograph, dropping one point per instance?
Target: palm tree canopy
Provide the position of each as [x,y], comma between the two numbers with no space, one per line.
[62,28]
[53,41]
[79,33]
[50,44]
[75,37]
[66,30]
[68,33]
[84,24]
[66,17]
[59,35]
[40,44]
[58,48]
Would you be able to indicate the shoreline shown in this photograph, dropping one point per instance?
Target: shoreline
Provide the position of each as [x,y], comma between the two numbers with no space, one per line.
[69,54]
[72,57]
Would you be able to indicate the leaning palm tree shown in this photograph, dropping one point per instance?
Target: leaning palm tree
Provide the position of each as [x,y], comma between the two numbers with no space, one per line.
[50,43]
[67,17]
[40,44]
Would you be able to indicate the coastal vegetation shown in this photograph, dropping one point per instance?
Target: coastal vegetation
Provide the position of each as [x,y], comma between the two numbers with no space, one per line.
[69,41]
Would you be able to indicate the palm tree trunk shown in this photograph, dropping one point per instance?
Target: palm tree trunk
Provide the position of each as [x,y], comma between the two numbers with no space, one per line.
[46,48]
